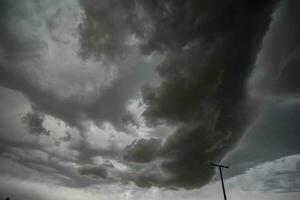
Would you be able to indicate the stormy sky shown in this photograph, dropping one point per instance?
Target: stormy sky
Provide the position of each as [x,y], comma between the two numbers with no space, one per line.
[133,99]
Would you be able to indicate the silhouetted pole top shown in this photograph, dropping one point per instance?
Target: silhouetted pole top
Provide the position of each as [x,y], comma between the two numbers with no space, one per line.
[220,170]
[216,165]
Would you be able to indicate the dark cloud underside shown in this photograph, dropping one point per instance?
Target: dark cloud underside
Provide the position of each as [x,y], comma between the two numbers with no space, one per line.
[210,49]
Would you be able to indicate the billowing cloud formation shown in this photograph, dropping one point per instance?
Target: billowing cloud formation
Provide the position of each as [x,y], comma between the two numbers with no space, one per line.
[40,56]
[210,49]
[82,62]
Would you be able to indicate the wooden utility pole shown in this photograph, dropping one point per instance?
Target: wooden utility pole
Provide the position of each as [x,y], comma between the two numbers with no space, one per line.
[220,170]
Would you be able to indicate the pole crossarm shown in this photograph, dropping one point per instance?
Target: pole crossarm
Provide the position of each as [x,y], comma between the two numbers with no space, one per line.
[216,165]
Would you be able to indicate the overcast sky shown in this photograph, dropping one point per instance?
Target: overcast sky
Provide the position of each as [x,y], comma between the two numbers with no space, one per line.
[133,99]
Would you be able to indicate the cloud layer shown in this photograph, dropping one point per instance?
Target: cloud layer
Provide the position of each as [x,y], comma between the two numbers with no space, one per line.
[78,66]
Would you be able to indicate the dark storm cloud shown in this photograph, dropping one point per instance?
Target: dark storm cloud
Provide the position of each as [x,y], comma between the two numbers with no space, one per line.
[210,48]
[184,157]
[34,124]
[188,89]
[286,82]
[277,65]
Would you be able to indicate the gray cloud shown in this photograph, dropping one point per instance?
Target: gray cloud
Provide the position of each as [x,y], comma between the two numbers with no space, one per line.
[47,166]
[94,171]
[104,31]
[142,150]
[34,124]
[129,119]
[98,90]
[87,153]
[67,137]
[27,157]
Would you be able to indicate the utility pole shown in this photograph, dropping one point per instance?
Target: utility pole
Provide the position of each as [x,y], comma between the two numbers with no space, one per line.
[220,170]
